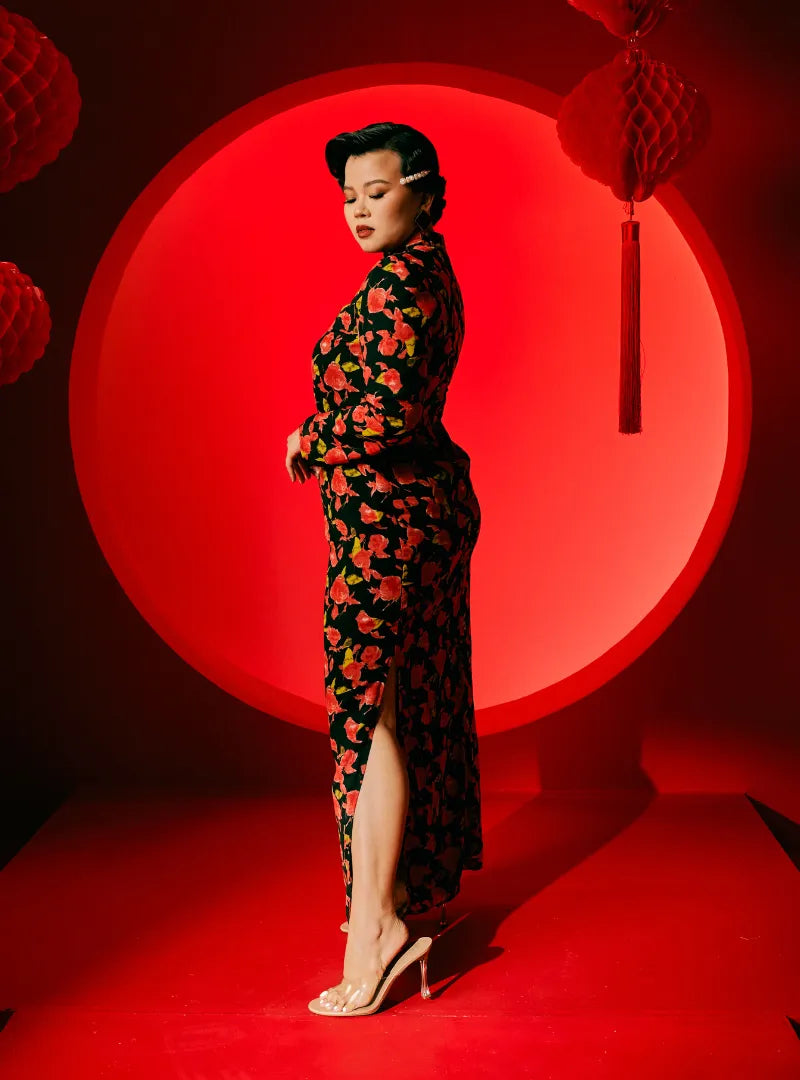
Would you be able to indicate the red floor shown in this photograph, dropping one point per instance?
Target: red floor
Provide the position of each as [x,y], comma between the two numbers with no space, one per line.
[157,936]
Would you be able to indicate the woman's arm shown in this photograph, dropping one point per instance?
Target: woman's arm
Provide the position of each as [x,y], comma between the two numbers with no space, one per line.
[396,344]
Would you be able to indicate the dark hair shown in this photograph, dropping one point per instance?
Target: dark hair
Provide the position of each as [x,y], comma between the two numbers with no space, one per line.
[416,152]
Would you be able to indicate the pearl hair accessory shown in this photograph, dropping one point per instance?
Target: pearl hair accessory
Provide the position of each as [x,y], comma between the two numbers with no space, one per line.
[414,176]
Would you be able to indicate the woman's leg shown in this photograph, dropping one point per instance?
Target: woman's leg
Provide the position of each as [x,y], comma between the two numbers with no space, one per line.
[375,931]
[379,818]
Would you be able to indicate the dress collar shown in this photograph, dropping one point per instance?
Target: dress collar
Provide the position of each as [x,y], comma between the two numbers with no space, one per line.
[418,240]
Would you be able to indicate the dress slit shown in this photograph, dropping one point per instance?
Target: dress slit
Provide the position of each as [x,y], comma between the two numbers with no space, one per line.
[352,730]
[350,826]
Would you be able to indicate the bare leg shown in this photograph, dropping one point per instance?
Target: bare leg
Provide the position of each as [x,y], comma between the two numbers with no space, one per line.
[375,931]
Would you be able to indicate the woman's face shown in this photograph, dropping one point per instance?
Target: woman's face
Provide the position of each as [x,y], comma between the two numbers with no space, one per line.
[374,197]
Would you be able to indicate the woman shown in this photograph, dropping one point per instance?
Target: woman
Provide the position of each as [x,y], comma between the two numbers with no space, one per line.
[402,520]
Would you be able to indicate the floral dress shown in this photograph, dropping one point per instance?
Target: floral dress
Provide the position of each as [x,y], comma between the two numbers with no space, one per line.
[402,520]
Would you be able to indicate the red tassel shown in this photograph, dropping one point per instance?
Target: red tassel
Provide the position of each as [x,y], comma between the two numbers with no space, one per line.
[630,379]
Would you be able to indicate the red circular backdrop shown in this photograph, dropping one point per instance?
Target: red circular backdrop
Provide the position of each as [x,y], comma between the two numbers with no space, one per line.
[192,363]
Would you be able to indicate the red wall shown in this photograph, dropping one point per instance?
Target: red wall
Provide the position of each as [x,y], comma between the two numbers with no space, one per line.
[91,693]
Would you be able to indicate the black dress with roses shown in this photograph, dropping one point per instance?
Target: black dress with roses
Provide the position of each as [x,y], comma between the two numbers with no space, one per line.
[402,520]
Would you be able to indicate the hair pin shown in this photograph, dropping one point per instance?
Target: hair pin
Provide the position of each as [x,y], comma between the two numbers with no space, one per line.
[414,176]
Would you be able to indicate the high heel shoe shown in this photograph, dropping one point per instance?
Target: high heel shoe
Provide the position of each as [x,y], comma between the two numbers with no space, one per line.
[442,919]
[417,949]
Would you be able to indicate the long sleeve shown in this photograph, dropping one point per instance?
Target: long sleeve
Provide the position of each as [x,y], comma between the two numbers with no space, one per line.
[395,331]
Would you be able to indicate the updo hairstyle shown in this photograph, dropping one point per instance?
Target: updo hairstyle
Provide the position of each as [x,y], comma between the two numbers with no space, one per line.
[416,152]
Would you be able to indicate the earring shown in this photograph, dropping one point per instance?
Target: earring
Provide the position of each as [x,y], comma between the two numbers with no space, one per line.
[422,218]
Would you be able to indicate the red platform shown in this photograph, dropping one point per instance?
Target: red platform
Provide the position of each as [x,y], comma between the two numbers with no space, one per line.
[610,935]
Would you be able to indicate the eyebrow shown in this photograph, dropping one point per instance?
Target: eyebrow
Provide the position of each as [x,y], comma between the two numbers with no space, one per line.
[347,187]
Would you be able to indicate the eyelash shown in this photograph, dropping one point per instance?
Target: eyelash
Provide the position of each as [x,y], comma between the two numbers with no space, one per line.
[346,201]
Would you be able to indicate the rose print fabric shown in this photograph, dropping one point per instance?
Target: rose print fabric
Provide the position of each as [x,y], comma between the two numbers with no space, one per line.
[402,520]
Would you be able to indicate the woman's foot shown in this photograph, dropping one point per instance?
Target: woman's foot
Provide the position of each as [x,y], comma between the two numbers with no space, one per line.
[370,948]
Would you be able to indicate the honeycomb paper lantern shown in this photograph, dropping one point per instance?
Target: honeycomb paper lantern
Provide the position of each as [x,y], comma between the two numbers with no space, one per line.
[39,100]
[627,17]
[24,323]
[632,124]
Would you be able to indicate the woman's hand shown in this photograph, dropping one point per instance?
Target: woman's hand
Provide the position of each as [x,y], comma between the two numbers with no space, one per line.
[297,468]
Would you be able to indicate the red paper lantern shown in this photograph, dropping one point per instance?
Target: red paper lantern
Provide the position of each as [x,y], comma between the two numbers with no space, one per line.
[626,17]
[39,100]
[24,323]
[632,124]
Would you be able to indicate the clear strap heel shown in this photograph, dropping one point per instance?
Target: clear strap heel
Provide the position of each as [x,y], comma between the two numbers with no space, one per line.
[413,950]
[425,990]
